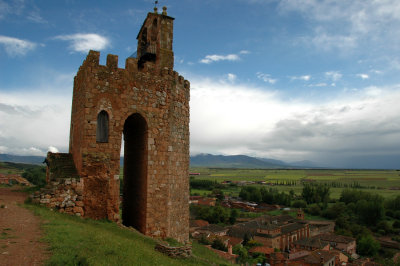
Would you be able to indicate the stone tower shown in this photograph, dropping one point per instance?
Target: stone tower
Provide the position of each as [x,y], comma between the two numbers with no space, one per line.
[147,105]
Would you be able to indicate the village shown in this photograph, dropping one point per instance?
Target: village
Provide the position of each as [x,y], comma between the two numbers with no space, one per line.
[274,240]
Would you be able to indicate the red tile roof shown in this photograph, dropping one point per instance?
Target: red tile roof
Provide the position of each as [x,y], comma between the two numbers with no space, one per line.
[198,223]
[262,249]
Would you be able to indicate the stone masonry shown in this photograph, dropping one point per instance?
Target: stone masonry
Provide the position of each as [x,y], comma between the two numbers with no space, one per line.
[64,189]
[147,105]
[63,195]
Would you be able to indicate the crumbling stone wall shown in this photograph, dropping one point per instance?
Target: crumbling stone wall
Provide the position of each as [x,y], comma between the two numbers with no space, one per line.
[63,195]
[150,89]
[175,252]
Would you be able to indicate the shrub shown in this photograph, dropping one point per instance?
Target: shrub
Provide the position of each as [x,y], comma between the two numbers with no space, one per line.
[299,204]
[396,224]
[218,244]
[36,175]
[368,246]
[313,209]
[204,240]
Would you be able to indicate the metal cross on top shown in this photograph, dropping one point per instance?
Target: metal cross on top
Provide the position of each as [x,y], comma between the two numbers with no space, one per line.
[155,3]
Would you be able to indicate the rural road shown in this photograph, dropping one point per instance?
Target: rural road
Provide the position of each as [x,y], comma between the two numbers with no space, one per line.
[19,232]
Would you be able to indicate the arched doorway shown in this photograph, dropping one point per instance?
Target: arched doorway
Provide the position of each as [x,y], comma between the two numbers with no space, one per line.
[135,173]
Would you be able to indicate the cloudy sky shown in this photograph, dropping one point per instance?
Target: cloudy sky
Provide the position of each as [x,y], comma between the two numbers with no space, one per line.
[292,80]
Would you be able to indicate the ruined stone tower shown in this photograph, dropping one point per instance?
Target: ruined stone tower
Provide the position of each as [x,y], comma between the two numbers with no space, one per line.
[147,105]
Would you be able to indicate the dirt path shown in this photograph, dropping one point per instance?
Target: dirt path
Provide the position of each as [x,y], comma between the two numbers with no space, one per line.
[19,232]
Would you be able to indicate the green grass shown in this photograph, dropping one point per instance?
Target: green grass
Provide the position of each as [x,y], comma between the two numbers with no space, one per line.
[377,181]
[76,241]
[13,168]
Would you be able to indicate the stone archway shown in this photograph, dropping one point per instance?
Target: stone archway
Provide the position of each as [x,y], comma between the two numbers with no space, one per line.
[134,202]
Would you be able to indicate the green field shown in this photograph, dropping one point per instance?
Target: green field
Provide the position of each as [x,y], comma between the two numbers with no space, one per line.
[12,168]
[377,181]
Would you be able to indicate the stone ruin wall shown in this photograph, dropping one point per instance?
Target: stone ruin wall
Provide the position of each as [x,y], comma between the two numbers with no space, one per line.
[162,98]
[64,195]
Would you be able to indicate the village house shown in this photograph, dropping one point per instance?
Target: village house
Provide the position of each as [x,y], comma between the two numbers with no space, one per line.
[340,258]
[318,258]
[229,256]
[311,244]
[278,259]
[231,241]
[211,230]
[196,224]
[263,250]
[266,251]
[272,231]
[321,227]
[200,200]
[341,243]
[283,236]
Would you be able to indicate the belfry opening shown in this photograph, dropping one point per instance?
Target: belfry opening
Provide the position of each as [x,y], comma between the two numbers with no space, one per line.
[134,199]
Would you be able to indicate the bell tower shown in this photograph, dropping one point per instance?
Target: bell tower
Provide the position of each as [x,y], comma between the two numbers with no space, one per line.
[155,40]
[146,103]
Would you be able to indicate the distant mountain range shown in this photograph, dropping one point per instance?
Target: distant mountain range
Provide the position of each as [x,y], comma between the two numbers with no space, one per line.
[200,160]
[21,159]
[243,161]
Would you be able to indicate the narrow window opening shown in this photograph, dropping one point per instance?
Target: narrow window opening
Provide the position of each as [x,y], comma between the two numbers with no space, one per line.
[154,31]
[102,127]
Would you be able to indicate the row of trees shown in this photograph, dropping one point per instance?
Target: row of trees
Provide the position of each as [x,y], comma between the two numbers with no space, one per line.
[215,215]
[315,193]
[270,196]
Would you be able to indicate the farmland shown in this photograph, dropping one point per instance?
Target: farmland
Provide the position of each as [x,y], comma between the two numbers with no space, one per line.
[383,182]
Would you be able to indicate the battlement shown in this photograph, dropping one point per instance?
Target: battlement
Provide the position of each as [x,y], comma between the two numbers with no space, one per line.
[131,66]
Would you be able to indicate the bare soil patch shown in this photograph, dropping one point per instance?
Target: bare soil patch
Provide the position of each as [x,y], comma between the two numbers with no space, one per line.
[20,232]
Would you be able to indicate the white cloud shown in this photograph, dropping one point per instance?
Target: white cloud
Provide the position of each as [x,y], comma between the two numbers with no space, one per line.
[266,78]
[363,76]
[208,59]
[35,118]
[242,119]
[231,119]
[379,72]
[322,84]
[333,75]
[52,149]
[16,47]
[304,77]
[347,25]
[81,42]
[325,41]
[34,151]
[215,58]
[34,15]
[30,122]
[231,77]
[22,9]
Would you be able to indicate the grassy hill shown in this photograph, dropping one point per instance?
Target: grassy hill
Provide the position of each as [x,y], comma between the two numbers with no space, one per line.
[76,241]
